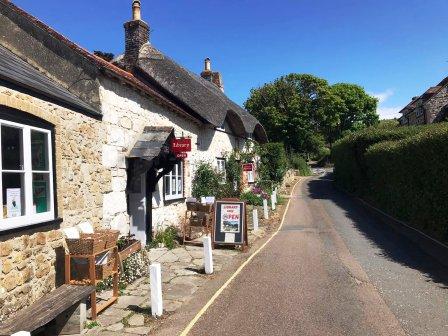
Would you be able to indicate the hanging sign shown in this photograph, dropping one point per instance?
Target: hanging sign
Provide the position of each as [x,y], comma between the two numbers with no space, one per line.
[181,145]
[181,155]
[230,225]
[247,167]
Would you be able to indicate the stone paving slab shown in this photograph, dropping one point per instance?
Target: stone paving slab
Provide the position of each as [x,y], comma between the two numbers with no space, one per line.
[182,276]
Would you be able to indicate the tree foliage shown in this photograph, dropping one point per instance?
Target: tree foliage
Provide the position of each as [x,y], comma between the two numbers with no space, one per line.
[304,112]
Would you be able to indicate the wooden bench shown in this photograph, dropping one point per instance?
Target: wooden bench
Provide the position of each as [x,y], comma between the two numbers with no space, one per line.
[64,307]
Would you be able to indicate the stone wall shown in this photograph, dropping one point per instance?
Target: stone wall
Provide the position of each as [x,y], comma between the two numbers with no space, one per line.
[126,113]
[435,105]
[91,179]
[27,257]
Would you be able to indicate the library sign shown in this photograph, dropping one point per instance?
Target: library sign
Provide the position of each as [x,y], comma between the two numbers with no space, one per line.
[180,147]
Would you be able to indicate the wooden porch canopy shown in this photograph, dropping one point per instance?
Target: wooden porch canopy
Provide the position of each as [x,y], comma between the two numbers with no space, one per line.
[151,154]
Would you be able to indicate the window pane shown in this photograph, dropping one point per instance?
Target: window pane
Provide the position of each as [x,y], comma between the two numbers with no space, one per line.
[167,185]
[179,185]
[173,185]
[41,193]
[39,150]
[13,195]
[12,149]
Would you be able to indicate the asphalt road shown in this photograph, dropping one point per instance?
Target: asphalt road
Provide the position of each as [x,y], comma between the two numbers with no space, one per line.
[332,270]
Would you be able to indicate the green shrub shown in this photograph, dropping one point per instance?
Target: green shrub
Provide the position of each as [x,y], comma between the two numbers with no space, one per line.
[167,237]
[206,182]
[234,171]
[273,162]
[299,163]
[350,169]
[251,198]
[403,171]
[409,179]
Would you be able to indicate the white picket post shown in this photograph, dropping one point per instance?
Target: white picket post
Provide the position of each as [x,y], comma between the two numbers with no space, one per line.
[265,209]
[208,256]
[255,219]
[273,201]
[155,273]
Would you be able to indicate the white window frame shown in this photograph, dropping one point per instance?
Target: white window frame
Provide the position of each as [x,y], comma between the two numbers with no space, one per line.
[221,164]
[29,218]
[176,174]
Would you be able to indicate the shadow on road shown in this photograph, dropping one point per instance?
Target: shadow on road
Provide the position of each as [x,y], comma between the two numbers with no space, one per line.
[394,246]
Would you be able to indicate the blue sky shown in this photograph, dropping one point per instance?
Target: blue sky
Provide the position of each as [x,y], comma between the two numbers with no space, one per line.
[395,49]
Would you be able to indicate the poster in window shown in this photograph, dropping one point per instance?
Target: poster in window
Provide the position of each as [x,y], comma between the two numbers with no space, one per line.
[40,196]
[13,202]
[250,177]
[38,150]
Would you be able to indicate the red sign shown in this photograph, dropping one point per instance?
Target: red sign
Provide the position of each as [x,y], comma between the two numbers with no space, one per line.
[247,167]
[181,155]
[181,145]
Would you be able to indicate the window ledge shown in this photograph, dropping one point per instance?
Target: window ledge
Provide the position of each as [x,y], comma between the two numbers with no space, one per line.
[174,200]
[30,229]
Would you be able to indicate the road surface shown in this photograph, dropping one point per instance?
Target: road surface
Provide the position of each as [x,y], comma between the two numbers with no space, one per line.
[332,270]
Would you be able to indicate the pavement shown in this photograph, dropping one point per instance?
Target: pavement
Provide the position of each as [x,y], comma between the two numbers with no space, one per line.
[331,270]
[182,277]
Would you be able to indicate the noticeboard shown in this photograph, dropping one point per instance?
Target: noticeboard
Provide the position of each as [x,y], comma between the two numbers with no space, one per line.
[230,226]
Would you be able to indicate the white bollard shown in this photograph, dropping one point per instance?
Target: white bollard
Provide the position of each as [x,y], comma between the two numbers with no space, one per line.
[275,196]
[255,219]
[265,209]
[155,273]
[273,201]
[208,256]
[22,333]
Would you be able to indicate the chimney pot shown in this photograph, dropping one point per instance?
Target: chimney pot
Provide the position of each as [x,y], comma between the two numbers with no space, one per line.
[136,10]
[207,64]
[136,35]
[213,77]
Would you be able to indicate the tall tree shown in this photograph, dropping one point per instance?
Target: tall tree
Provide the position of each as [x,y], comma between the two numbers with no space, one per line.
[289,109]
[355,109]
[304,112]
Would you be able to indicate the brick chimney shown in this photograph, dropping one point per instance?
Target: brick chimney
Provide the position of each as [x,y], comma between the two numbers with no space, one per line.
[214,77]
[136,35]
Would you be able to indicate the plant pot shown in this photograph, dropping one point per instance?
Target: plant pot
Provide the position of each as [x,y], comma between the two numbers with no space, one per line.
[132,247]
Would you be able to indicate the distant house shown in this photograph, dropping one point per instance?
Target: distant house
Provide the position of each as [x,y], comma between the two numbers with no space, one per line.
[430,107]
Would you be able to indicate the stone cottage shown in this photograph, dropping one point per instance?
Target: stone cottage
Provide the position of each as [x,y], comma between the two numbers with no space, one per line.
[430,107]
[83,139]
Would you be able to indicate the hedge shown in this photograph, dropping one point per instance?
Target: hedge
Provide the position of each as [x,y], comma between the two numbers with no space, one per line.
[402,171]
[348,154]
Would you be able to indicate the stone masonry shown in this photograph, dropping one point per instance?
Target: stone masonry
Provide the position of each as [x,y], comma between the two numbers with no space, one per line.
[27,261]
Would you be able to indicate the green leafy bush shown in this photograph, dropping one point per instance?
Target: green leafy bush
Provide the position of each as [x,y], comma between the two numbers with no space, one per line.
[409,179]
[299,163]
[350,168]
[251,198]
[206,182]
[273,162]
[234,172]
[403,171]
[167,237]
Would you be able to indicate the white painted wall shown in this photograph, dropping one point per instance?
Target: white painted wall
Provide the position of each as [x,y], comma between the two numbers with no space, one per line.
[125,114]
